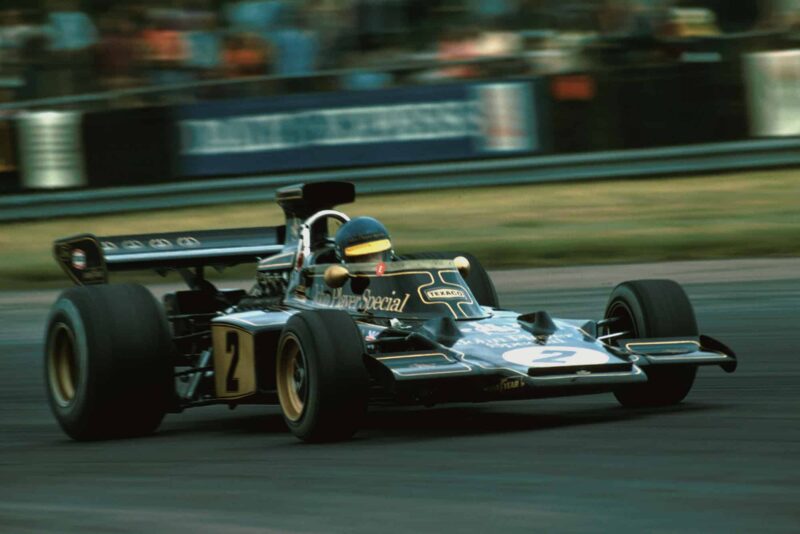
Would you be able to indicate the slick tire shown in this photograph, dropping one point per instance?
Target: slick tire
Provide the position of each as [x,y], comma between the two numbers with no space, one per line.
[108,369]
[478,279]
[654,309]
[321,378]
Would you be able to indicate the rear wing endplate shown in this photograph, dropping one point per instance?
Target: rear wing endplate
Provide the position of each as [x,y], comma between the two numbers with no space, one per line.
[87,259]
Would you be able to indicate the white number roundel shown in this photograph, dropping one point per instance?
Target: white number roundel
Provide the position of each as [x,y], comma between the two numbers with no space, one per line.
[538,356]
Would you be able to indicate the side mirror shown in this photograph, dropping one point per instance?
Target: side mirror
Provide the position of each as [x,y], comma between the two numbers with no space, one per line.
[336,276]
[462,264]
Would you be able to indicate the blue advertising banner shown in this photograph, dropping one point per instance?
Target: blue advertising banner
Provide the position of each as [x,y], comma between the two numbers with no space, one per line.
[404,125]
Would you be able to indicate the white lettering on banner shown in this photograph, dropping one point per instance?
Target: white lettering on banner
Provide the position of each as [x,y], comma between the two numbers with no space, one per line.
[331,127]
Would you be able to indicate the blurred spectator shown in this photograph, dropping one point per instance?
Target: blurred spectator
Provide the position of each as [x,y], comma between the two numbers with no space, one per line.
[70,30]
[334,22]
[498,10]
[35,60]
[165,49]
[72,34]
[13,34]
[246,54]
[692,22]
[255,16]
[296,47]
[459,44]
[139,42]
[382,23]
[204,44]
[362,73]
[780,14]
[118,52]
[495,41]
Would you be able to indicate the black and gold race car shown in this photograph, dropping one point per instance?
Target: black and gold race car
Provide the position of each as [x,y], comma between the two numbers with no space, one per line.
[325,339]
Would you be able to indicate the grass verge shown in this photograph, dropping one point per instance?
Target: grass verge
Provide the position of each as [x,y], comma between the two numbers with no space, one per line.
[721,216]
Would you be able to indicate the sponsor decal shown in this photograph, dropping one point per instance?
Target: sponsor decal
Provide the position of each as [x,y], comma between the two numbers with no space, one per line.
[364,302]
[372,335]
[132,244]
[160,243]
[507,384]
[497,342]
[445,293]
[506,336]
[447,122]
[188,242]
[380,269]
[555,356]
[423,121]
[109,245]
[489,328]
[79,259]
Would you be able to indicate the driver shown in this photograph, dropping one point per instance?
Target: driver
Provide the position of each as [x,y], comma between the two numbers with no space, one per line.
[363,240]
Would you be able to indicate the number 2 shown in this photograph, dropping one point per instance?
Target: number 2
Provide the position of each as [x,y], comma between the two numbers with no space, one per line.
[232,347]
[556,357]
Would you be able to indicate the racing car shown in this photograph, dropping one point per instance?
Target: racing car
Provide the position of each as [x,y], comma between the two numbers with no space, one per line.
[325,339]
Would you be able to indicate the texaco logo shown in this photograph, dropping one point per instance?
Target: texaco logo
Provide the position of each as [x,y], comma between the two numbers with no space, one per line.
[79,259]
[445,293]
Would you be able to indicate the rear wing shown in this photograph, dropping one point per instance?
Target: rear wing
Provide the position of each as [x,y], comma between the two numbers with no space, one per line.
[87,259]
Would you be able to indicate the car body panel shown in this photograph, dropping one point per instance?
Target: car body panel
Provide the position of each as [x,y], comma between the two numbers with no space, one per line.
[426,338]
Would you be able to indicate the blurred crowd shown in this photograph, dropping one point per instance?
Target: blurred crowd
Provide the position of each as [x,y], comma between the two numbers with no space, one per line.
[65,47]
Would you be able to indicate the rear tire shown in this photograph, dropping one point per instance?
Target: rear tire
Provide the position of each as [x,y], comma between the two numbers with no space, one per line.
[654,309]
[478,279]
[321,378]
[108,366]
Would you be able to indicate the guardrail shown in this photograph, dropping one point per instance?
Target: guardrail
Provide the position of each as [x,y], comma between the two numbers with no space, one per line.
[526,170]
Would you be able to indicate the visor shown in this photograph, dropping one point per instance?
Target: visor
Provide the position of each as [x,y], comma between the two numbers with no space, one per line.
[370,247]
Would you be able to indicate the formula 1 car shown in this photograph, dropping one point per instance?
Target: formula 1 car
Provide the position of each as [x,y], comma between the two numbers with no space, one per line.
[326,339]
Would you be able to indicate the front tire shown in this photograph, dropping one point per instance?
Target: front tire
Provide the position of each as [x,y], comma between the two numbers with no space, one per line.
[321,378]
[107,362]
[653,309]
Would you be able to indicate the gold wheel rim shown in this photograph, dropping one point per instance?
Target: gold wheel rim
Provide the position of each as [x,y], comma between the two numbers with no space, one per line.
[62,365]
[292,378]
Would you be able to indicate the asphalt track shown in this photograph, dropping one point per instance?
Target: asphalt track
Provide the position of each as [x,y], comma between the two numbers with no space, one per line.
[726,460]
